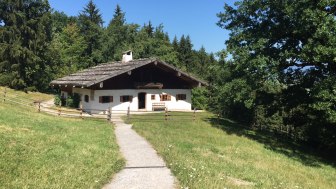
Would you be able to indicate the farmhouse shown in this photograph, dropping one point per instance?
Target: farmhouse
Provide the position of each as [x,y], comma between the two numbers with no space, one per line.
[143,84]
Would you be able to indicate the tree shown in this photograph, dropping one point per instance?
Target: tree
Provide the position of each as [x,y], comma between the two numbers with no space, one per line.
[72,46]
[202,61]
[25,35]
[149,29]
[175,43]
[185,53]
[156,44]
[285,52]
[116,37]
[90,24]
[60,20]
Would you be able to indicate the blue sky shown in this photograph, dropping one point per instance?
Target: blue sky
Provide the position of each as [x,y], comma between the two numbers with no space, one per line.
[196,18]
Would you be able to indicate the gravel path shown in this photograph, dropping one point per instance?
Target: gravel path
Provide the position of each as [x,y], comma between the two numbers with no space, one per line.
[144,168]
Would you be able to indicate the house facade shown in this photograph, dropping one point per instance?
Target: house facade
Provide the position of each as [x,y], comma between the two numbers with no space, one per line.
[138,85]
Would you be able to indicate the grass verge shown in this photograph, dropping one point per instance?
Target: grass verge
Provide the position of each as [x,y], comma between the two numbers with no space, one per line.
[205,154]
[43,151]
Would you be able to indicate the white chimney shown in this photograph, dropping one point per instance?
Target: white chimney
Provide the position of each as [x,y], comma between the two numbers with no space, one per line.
[127,56]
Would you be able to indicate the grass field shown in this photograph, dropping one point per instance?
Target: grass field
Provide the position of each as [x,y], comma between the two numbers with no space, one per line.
[211,153]
[43,151]
[29,96]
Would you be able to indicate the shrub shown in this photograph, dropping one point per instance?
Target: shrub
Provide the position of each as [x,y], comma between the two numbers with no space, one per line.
[73,100]
[199,98]
[69,102]
[57,99]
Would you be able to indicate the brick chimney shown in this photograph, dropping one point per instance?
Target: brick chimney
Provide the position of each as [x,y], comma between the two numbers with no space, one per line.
[127,56]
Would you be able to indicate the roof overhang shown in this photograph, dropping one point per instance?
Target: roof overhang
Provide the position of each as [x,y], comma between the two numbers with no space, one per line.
[95,75]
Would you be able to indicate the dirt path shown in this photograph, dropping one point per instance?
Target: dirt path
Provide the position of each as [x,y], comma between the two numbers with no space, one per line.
[144,167]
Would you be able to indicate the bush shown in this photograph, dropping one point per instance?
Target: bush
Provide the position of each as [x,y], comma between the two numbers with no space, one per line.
[57,99]
[30,89]
[69,102]
[199,98]
[73,100]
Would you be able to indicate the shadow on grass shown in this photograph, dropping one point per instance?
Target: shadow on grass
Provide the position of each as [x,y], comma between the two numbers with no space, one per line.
[273,141]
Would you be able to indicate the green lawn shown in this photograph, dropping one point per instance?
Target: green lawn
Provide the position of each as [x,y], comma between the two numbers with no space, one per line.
[43,151]
[209,153]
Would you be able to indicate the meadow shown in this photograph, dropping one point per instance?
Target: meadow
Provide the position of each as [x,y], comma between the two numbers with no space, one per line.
[219,153]
[43,151]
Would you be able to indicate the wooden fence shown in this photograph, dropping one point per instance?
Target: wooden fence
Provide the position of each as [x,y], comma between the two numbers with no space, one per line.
[107,114]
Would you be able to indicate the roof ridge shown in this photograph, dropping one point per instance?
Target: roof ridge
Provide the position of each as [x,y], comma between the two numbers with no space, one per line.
[120,62]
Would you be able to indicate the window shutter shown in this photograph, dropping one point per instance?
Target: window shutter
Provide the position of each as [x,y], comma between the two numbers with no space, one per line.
[168,97]
[161,97]
[100,99]
[121,99]
[111,98]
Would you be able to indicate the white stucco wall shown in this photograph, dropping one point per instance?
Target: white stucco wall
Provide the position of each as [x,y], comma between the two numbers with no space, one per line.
[117,105]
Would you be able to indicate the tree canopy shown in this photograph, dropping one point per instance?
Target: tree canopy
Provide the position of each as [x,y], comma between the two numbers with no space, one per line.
[38,44]
[283,62]
[25,35]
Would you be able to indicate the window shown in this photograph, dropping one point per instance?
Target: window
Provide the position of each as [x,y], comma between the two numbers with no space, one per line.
[153,97]
[105,99]
[165,97]
[181,97]
[86,98]
[126,98]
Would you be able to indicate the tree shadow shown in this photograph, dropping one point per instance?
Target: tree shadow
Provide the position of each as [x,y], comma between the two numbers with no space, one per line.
[298,151]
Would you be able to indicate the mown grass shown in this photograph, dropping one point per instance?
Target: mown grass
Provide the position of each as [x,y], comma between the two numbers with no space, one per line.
[209,153]
[43,151]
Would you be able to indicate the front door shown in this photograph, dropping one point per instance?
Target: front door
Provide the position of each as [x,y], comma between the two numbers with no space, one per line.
[142,100]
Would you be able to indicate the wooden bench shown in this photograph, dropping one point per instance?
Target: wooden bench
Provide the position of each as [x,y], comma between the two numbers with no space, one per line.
[158,106]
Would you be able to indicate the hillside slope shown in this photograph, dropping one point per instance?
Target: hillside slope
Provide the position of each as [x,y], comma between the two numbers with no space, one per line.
[42,151]
[211,154]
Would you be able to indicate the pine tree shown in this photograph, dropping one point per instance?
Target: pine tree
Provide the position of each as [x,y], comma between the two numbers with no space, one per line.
[202,61]
[149,29]
[25,36]
[116,36]
[175,44]
[185,53]
[90,24]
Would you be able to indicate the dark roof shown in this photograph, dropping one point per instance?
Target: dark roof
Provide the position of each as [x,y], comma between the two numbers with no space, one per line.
[104,71]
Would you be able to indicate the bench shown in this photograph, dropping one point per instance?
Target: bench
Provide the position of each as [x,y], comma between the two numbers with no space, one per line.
[158,106]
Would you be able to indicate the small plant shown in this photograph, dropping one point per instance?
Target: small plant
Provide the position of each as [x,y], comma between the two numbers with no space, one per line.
[58,100]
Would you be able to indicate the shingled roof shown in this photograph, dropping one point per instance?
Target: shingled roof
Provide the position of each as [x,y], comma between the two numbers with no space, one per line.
[102,72]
